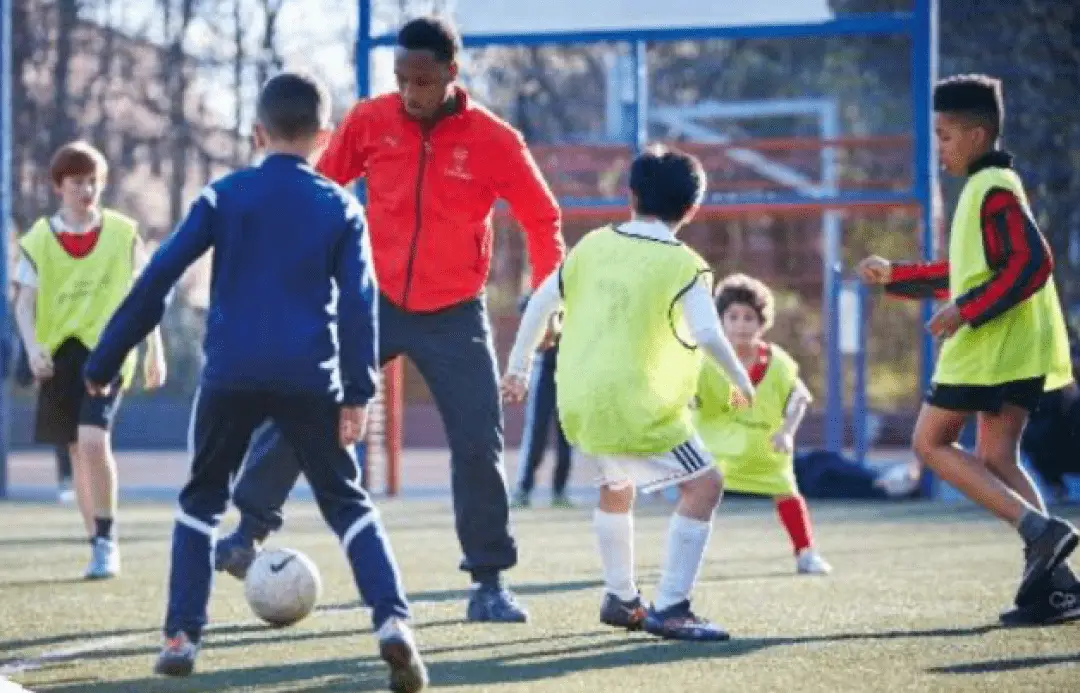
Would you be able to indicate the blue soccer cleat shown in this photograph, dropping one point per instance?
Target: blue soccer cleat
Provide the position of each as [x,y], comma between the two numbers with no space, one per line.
[678,622]
[495,604]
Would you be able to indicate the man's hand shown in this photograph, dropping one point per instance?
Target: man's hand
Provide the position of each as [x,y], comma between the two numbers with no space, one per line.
[154,372]
[946,321]
[41,363]
[783,442]
[352,421]
[97,389]
[514,387]
[875,270]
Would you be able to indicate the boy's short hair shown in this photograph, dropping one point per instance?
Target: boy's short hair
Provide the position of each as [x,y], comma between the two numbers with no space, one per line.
[666,183]
[740,288]
[433,34]
[977,98]
[293,105]
[78,158]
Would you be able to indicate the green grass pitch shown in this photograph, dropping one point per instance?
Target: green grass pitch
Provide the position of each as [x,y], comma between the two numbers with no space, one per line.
[912,606]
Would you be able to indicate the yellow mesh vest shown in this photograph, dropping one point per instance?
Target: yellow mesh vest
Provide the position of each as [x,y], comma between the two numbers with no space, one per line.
[740,440]
[625,378]
[77,296]
[1028,340]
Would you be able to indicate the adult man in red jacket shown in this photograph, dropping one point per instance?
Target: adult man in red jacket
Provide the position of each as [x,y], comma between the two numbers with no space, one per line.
[435,163]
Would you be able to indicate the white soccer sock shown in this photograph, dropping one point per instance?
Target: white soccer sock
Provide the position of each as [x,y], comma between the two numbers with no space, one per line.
[687,539]
[615,537]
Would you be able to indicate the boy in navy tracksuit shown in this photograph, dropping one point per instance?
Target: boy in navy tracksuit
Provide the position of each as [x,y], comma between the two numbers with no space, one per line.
[290,337]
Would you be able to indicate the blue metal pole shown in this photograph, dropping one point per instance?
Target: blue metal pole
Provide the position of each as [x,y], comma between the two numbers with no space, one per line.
[6,75]
[832,246]
[363,90]
[858,405]
[641,95]
[834,360]
[924,53]
[363,50]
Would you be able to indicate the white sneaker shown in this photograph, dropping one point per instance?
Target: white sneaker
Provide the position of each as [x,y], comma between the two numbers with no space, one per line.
[104,560]
[810,562]
[397,647]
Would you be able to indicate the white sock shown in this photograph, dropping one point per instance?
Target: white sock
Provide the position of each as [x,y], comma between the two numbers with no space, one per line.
[615,537]
[687,539]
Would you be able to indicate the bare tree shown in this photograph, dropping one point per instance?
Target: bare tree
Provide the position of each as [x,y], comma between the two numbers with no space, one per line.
[269,59]
[176,76]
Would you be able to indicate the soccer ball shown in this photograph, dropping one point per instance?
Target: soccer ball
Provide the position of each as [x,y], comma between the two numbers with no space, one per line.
[282,586]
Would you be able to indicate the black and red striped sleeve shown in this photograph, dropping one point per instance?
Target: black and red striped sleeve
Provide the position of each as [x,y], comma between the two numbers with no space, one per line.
[918,280]
[1018,256]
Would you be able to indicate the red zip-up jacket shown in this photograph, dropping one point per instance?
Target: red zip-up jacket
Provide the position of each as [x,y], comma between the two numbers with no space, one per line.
[431,195]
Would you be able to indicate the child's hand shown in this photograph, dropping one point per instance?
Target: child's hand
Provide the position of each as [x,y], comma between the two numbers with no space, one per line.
[783,442]
[154,372]
[351,424]
[946,321]
[875,270]
[740,399]
[514,387]
[41,363]
[98,390]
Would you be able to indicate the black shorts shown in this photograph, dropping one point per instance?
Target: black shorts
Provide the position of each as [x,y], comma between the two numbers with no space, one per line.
[63,402]
[987,398]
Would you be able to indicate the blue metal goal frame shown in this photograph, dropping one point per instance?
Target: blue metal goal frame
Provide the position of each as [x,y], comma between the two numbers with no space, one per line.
[920,25]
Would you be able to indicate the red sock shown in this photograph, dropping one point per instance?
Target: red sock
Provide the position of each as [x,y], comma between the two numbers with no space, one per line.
[796,520]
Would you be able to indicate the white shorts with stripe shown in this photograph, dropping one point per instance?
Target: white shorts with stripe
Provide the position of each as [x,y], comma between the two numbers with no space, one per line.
[652,473]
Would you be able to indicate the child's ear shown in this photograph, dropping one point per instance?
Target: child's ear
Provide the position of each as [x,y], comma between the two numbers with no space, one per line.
[322,138]
[258,137]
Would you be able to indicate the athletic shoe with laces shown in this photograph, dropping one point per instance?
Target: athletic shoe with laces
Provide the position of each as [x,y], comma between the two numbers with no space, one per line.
[1044,554]
[104,559]
[810,562]
[678,622]
[234,554]
[622,614]
[177,656]
[494,604]
[1046,606]
[397,647]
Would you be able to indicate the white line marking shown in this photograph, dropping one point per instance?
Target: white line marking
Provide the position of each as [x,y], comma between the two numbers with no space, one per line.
[86,646]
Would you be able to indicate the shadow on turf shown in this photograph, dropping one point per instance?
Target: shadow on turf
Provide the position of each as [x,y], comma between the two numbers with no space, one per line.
[995,665]
[612,652]
[69,540]
[528,589]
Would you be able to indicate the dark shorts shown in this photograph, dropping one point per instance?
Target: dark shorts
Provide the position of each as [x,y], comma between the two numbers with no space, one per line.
[63,402]
[987,398]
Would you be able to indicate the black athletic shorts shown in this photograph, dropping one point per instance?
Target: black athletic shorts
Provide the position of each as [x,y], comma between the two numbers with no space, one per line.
[987,398]
[63,402]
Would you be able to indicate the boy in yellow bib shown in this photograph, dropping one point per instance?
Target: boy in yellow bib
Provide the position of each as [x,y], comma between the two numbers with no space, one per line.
[1004,342]
[754,446]
[637,307]
[75,269]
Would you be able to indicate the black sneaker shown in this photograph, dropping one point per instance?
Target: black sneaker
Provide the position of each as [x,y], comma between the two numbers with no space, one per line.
[1044,554]
[234,554]
[1047,606]
[615,612]
[680,623]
